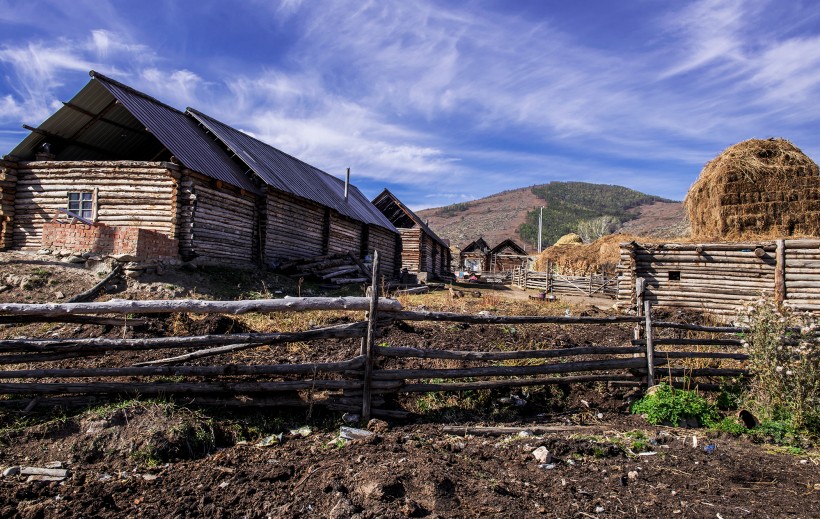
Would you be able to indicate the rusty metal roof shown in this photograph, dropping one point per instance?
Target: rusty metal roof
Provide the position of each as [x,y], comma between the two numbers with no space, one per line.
[289,174]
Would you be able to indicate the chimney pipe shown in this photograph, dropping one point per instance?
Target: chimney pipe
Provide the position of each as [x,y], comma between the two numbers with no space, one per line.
[347,183]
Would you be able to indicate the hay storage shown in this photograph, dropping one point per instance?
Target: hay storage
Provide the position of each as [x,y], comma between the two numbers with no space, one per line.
[756,188]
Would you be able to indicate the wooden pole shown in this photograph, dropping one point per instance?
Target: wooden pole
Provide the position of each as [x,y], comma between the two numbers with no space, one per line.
[639,288]
[780,273]
[650,347]
[371,338]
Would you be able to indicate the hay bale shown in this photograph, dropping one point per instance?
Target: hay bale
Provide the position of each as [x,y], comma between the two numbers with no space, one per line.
[569,239]
[756,189]
[575,259]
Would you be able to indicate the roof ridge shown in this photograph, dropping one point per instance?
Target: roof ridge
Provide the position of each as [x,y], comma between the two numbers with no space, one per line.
[102,77]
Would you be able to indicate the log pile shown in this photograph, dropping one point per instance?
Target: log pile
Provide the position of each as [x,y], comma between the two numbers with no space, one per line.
[340,268]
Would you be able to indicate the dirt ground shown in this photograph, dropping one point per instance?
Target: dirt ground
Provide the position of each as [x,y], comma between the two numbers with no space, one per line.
[158,458]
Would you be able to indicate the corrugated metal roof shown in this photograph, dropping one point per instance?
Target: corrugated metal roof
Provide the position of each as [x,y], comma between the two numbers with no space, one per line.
[291,175]
[180,134]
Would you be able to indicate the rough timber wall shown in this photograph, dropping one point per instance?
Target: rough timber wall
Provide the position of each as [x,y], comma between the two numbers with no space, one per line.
[345,235]
[411,250]
[721,277]
[8,180]
[388,244]
[222,223]
[136,194]
[294,229]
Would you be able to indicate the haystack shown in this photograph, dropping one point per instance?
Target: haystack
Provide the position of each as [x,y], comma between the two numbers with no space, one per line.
[569,239]
[576,259]
[756,189]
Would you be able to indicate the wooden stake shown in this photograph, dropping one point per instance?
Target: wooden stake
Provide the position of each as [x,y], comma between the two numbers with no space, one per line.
[780,273]
[371,338]
[650,347]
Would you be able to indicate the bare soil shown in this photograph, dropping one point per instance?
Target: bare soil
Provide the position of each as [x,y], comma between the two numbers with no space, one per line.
[166,459]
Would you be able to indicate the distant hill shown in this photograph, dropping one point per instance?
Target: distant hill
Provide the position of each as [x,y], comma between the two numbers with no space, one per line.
[587,209]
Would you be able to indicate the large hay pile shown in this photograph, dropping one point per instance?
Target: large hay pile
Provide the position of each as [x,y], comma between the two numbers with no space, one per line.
[756,188]
[576,259]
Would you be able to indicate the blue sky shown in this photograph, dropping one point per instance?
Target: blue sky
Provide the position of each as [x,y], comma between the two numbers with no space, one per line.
[444,101]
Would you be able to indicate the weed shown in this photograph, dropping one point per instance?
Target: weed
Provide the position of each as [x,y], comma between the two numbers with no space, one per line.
[730,425]
[670,405]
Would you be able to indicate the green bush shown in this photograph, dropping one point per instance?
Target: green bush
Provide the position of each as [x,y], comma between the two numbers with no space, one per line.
[669,405]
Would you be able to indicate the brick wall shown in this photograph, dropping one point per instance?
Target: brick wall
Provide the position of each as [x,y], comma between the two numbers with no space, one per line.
[104,239]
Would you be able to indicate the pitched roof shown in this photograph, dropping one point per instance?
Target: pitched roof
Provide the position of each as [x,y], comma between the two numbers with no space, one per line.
[478,245]
[289,174]
[509,243]
[401,216]
[109,119]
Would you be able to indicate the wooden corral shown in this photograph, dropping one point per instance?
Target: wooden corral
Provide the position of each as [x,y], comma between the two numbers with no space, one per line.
[117,157]
[422,251]
[722,277]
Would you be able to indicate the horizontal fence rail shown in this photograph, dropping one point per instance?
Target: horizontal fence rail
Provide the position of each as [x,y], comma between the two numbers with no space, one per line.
[360,383]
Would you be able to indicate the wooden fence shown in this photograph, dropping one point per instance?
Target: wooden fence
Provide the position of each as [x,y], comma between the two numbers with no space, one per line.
[360,383]
[593,285]
[722,277]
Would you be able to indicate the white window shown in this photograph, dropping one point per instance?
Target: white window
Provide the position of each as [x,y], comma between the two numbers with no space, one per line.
[82,204]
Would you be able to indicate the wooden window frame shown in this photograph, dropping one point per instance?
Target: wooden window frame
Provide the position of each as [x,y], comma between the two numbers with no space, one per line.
[83,203]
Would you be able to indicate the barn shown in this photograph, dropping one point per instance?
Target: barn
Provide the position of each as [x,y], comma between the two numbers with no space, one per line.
[423,253]
[478,256]
[141,177]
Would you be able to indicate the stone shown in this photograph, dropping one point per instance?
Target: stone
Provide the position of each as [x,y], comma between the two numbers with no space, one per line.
[3,288]
[65,252]
[132,274]
[542,455]
[378,426]
[351,433]
[44,252]
[351,417]
[11,471]
[124,258]
[58,295]
[632,474]
[150,477]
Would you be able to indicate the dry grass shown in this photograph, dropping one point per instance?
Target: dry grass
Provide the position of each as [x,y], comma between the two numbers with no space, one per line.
[756,189]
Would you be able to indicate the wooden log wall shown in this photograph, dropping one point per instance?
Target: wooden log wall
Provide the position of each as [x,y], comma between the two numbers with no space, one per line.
[222,222]
[388,243]
[721,277]
[345,234]
[427,253]
[294,228]
[802,274]
[139,194]
[8,183]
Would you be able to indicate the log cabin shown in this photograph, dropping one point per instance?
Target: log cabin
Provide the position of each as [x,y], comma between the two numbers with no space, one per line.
[474,257]
[423,253]
[506,256]
[115,159]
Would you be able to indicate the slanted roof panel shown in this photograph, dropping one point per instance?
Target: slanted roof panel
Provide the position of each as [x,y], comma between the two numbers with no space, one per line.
[291,175]
[388,203]
[180,135]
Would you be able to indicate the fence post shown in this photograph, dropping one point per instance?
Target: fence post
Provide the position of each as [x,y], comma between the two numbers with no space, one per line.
[639,287]
[650,346]
[780,273]
[371,338]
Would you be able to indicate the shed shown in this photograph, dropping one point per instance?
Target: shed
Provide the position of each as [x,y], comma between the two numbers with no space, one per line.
[422,250]
[121,160]
[506,256]
[475,256]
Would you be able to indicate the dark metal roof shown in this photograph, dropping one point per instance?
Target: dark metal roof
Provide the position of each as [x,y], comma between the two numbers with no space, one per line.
[289,174]
[180,134]
[401,216]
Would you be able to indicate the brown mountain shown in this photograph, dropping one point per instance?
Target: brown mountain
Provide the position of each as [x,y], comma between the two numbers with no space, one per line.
[500,216]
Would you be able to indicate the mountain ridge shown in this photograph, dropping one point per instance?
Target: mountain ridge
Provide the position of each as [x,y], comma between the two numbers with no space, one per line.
[514,214]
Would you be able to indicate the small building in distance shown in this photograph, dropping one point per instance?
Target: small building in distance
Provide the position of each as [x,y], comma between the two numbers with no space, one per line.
[506,256]
[423,253]
[118,160]
[478,256]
